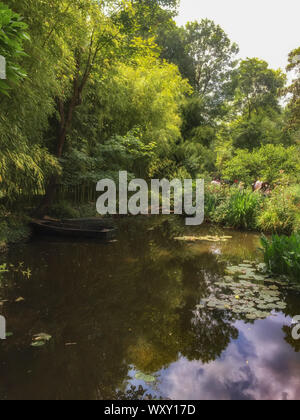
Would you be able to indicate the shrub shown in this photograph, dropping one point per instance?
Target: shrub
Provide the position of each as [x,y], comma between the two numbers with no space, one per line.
[266,163]
[214,197]
[239,210]
[282,255]
[63,210]
[13,229]
[243,209]
[280,213]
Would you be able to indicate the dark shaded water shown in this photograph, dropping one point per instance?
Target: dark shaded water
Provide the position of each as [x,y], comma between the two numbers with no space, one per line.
[117,309]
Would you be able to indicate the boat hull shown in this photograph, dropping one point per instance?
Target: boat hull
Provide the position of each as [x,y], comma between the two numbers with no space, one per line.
[69,231]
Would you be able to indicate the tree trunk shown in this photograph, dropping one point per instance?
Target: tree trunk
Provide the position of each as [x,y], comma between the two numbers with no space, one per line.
[65,124]
[66,112]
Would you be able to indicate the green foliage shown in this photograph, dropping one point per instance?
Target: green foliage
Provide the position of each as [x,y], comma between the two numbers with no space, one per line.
[173,43]
[243,209]
[23,168]
[236,207]
[12,35]
[282,255]
[198,159]
[63,210]
[119,86]
[214,197]
[258,86]
[214,59]
[239,210]
[280,212]
[3,269]
[13,229]
[294,91]
[146,94]
[259,130]
[266,163]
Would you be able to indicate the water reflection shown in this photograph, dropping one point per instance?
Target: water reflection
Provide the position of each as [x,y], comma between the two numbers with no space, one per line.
[256,366]
[126,307]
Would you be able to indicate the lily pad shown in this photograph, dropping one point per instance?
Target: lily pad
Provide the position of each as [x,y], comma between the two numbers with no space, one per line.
[42,337]
[146,378]
[40,340]
[38,344]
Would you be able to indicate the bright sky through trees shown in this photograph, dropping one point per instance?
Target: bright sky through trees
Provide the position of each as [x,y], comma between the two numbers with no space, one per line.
[268,29]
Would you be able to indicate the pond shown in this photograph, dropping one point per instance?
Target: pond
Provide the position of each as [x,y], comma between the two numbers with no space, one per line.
[127,320]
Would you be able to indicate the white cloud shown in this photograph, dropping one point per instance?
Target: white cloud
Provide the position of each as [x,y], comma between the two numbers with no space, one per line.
[259,365]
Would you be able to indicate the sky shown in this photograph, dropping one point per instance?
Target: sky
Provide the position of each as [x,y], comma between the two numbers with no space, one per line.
[267,29]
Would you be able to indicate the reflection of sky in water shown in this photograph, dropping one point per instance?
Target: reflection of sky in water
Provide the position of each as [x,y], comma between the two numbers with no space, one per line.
[256,366]
[130,307]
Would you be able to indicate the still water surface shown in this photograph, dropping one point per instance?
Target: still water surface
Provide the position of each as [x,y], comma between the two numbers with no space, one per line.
[128,307]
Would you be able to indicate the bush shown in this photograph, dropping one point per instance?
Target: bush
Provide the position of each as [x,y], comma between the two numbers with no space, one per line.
[13,229]
[280,213]
[243,209]
[282,255]
[63,210]
[267,163]
[214,196]
[239,210]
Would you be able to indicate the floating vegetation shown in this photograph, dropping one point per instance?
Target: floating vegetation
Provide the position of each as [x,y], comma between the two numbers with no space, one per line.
[248,290]
[203,238]
[40,340]
[146,378]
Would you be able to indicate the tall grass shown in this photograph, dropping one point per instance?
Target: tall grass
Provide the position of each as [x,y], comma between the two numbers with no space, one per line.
[280,213]
[243,209]
[239,209]
[282,254]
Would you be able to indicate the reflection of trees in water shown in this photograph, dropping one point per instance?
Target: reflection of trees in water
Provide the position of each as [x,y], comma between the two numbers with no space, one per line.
[134,393]
[295,344]
[128,303]
[292,310]
[213,333]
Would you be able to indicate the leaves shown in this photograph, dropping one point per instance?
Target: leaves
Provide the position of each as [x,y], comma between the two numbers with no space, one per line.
[282,255]
[12,34]
[40,340]
[246,293]
[146,378]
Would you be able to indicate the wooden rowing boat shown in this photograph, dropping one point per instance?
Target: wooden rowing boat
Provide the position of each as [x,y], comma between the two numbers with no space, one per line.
[84,228]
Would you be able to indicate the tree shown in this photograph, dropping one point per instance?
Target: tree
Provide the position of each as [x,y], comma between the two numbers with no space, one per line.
[214,57]
[128,119]
[294,91]
[24,162]
[144,17]
[92,45]
[262,128]
[258,87]
[174,48]
[12,35]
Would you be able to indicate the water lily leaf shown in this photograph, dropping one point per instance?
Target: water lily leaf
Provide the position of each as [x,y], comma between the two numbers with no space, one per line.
[251,316]
[38,344]
[42,337]
[281,305]
[146,378]
[262,268]
[19,300]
